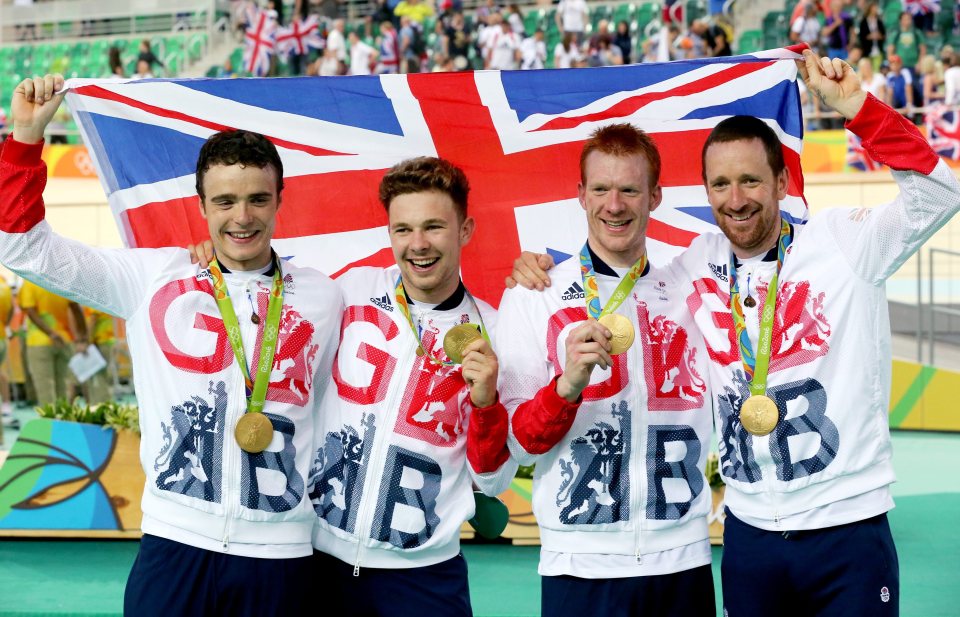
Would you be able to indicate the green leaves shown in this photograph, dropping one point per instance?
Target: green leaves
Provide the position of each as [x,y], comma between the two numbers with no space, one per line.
[112,414]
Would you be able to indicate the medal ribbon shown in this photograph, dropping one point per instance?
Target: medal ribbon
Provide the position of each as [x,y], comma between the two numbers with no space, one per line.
[591,292]
[401,297]
[256,389]
[755,367]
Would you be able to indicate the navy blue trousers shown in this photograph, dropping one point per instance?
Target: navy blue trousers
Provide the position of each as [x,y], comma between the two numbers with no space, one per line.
[172,579]
[844,571]
[440,590]
[682,594]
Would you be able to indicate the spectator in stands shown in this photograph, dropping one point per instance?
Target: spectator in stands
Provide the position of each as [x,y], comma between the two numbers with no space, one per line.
[837,31]
[872,34]
[115,62]
[363,57]
[951,80]
[533,51]
[806,28]
[602,30]
[503,49]
[907,42]
[872,82]
[606,53]
[335,53]
[923,14]
[571,17]
[442,64]
[717,38]
[664,46]
[147,55]
[389,49]
[567,53]
[515,19]
[930,83]
[50,334]
[624,41]
[103,337]
[411,45]
[143,70]
[457,40]
[485,10]
[900,83]
[416,10]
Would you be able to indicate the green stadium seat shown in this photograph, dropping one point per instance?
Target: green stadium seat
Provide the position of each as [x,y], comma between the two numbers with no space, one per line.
[646,12]
[750,41]
[623,12]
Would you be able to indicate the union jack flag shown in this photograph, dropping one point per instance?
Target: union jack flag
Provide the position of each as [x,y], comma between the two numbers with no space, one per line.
[922,7]
[857,157]
[943,130]
[673,13]
[299,37]
[516,134]
[259,42]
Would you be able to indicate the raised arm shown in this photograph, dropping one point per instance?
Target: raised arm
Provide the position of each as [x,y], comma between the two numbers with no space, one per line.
[112,280]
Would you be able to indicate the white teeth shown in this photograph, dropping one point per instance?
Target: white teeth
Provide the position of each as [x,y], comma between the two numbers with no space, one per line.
[422,262]
[740,218]
[241,236]
[617,223]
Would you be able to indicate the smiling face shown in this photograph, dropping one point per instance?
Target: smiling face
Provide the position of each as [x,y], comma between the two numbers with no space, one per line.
[618,194]
[744,194]
[426,235]
[240,206]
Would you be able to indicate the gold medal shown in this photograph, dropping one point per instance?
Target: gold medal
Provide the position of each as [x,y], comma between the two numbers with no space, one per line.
[759,415]
[254,432]
[622,331]
[457,339]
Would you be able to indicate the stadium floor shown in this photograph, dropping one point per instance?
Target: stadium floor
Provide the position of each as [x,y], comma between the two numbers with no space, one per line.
[49,577]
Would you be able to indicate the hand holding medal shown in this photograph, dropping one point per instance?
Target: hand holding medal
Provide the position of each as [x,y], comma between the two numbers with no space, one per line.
[480,370]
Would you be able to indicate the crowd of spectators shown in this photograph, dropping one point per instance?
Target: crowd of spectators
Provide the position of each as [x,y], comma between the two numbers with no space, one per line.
[899,65]
[410,36]
[41,332]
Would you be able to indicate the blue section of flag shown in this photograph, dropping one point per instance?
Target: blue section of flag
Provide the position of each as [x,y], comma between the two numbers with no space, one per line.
[141,153]
[704,213]
[359,101]
[558,256]
[787,115]
[555,92]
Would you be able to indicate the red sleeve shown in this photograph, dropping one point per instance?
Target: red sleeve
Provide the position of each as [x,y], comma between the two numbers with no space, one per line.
[891,139]
[540,423]
[23,177]
[487,438]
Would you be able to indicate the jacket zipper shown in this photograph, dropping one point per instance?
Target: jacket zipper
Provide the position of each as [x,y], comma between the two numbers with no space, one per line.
[375,463]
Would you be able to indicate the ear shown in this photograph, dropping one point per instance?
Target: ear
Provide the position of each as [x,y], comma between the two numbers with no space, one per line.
[203,210]
[656,196]
[582,194]
[467,228]
[783,181]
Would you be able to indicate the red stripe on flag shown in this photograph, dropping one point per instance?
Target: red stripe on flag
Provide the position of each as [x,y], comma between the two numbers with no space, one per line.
[348,199]
[102,93]
[381,259]
[632,104]
[668,234]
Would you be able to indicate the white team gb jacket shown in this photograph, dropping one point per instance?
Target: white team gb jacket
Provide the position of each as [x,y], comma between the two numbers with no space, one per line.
[201,488]
[627,477]
[390,482]
[831,361]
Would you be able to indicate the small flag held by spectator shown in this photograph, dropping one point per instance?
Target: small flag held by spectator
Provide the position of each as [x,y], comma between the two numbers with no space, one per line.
[943,132]
[260,42]
[299,37]
[857,157]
